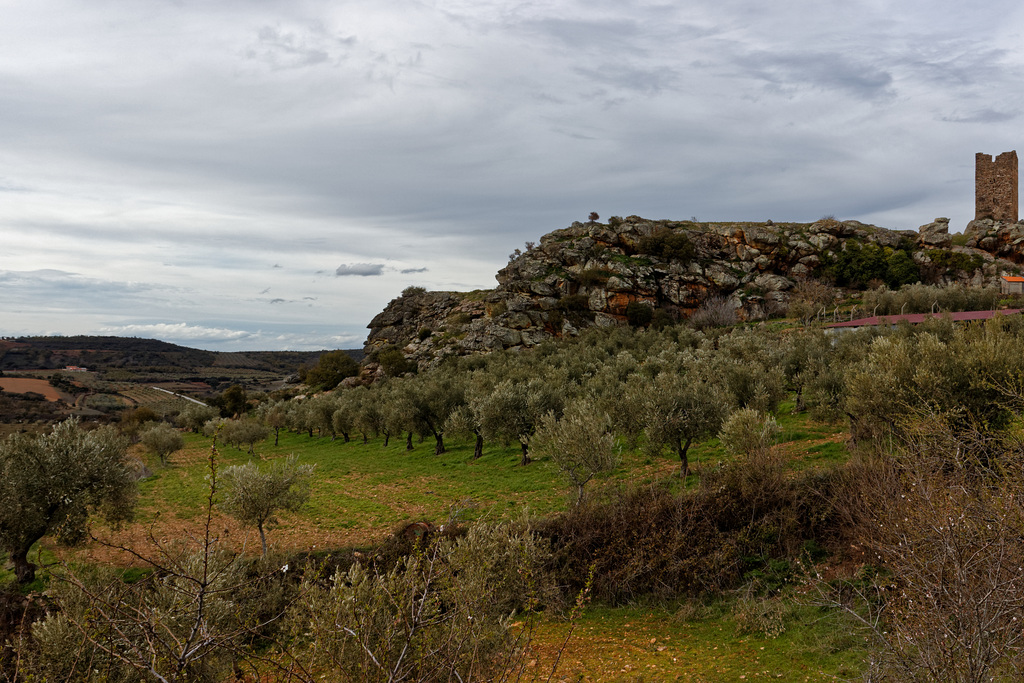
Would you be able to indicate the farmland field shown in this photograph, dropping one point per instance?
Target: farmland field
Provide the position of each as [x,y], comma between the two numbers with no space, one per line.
[22,385]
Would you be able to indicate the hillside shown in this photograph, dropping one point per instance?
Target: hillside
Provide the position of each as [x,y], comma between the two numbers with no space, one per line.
[134,353]
[597,274]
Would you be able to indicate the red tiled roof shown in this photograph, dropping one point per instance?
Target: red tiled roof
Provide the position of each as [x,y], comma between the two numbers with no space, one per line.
[917,318]
[1013,278]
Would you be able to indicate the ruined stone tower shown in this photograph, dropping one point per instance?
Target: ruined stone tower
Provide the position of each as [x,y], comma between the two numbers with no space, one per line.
[995,187]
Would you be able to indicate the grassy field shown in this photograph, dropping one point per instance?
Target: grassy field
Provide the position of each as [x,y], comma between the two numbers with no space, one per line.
[363,492]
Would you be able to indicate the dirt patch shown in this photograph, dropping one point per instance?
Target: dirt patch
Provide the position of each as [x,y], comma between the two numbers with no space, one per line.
[23,385]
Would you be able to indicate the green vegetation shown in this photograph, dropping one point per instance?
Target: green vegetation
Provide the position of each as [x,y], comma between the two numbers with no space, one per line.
[555,473]
[670,245]
[860,264]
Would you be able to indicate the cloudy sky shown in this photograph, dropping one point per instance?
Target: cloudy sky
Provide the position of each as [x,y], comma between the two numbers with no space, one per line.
[268,174]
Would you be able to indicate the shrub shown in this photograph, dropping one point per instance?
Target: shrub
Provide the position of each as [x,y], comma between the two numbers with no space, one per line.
[394,363]
[918,298]
[413,290]
[761,616]
[573,302]
[424,333]
[670,245]
[443,613]
[948,262]
[716,311]
[748,432]
[593,277]
[639,314]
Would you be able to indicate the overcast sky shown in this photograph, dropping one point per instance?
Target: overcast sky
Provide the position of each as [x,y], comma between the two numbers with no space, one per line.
[268,174]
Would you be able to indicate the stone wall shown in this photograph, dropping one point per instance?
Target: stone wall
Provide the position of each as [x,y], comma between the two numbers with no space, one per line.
[995,187]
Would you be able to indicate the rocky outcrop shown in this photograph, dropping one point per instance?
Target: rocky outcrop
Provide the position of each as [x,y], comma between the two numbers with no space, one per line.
[936,234]
[1002,240]
[601,274]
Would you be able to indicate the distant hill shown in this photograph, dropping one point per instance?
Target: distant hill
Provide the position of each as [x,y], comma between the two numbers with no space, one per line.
[106,353]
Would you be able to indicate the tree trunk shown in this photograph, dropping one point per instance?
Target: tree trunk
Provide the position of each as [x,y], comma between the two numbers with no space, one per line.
[345,436]
[387,438]
[800,407]
[526,455]
[478,449]
[263,538]
[439,445]
[24,570]
[277,432]
[684,463]
[408,442]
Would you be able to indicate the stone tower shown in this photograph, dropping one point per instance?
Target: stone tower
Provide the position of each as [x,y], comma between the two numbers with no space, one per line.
[995,187]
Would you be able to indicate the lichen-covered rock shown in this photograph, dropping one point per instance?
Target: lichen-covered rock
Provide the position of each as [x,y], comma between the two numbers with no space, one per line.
[590,273]
[935,234]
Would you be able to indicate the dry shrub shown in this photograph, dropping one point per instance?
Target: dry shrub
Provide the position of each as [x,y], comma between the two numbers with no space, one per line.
[648,542]
[760,616]
[942,519]
[717,311]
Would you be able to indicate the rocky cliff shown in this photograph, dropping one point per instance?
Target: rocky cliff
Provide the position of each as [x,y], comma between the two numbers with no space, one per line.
[600,274]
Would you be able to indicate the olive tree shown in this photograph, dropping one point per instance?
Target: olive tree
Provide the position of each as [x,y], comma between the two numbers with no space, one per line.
[514,409]
[750,433]
[162,440]
[254,496]
[244,432]
[275,416]
[679,409]
[579,444]
[193,416]
[50,483]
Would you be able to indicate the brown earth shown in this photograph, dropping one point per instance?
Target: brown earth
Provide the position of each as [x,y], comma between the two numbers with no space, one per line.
[22,385]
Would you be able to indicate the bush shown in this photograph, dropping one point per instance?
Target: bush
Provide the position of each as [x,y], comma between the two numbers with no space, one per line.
[573,302]
[394,363]
[716,311]
[413,290]
[920,298]
[593,277]
[443,613]
[639,314]
[671,245]
[749,432]
[954,262]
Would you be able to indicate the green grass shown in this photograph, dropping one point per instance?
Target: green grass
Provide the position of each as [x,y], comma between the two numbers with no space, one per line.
[367,486]
[704,643]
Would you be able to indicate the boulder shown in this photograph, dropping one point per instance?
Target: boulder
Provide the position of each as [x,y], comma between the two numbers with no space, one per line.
[935,235]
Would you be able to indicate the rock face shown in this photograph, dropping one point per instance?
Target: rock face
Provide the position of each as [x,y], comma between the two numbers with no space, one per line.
[1003,240]
[600,274]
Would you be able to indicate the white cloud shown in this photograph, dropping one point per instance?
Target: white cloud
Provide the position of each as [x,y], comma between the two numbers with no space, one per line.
[363,269]
[177,332]
[145,182]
